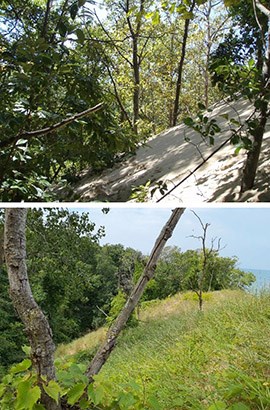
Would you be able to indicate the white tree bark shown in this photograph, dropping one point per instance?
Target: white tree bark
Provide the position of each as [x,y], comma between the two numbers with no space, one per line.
[36,325]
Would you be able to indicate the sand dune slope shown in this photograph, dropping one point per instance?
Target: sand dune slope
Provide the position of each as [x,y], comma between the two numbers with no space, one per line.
[170,158]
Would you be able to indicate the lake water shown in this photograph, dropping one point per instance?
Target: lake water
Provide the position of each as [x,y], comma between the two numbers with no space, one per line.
[262,278]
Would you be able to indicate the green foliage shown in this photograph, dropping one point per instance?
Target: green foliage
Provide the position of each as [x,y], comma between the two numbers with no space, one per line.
[185,360]
[117,305]
[205,126]
[44,81]
[12,336]
[179,271]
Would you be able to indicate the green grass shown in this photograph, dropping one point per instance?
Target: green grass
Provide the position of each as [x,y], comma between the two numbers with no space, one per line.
[188,359]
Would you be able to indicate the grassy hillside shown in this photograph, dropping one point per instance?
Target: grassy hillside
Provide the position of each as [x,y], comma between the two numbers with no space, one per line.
[180,358]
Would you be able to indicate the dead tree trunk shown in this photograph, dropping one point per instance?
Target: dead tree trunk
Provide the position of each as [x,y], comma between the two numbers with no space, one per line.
[36,324]
[107,347]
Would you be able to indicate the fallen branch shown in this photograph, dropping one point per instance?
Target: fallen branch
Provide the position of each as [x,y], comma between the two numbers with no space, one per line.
[31,134]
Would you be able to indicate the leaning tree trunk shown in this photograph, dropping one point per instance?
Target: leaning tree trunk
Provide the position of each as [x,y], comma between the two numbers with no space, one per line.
[251,165]
[107,347]
[36,324]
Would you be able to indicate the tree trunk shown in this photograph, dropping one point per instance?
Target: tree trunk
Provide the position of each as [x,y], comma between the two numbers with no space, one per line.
[136,91]
[251,165]
[107,347]
[180,68]
[252,161]
[36,324]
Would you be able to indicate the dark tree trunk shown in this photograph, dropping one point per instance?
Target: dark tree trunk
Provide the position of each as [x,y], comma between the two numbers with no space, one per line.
[180,68]
[252,161]
[136,91]
[36,324]
[105,350]
[251,165]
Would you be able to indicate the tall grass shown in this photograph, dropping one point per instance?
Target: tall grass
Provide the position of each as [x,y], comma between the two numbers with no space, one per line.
[191,360]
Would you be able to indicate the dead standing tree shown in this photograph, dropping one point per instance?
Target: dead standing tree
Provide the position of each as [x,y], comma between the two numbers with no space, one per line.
[206,254]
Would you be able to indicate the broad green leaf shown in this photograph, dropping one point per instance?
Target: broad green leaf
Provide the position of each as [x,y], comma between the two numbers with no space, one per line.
[52,389]
[99,394]
[27,396]
[188,121]
[21,367]
[73,11]
[75,393]
[62,29]
[126,400]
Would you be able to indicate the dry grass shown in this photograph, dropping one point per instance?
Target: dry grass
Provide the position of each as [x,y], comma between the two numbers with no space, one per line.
[86,342]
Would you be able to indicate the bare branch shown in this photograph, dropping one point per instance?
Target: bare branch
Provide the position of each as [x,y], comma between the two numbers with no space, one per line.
[51,128]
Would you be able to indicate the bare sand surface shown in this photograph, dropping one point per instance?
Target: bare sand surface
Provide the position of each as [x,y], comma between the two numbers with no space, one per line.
[170,158]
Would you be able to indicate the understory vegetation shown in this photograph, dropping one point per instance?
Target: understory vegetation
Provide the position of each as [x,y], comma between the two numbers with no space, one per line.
[176,358]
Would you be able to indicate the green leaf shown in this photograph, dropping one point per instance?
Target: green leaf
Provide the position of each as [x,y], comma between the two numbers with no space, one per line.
[237,150]
[188,121]
[75,393]
[99,394]
[73,11]
[156,18]
[26,349]
[62,29]
[188,15]
[126,400]
[201,106]
[52,389]
[2,390]
[21,367]
[81,3]
[80,35]
[27,396]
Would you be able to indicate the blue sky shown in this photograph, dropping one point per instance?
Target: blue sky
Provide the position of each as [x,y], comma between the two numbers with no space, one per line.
[244,231]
